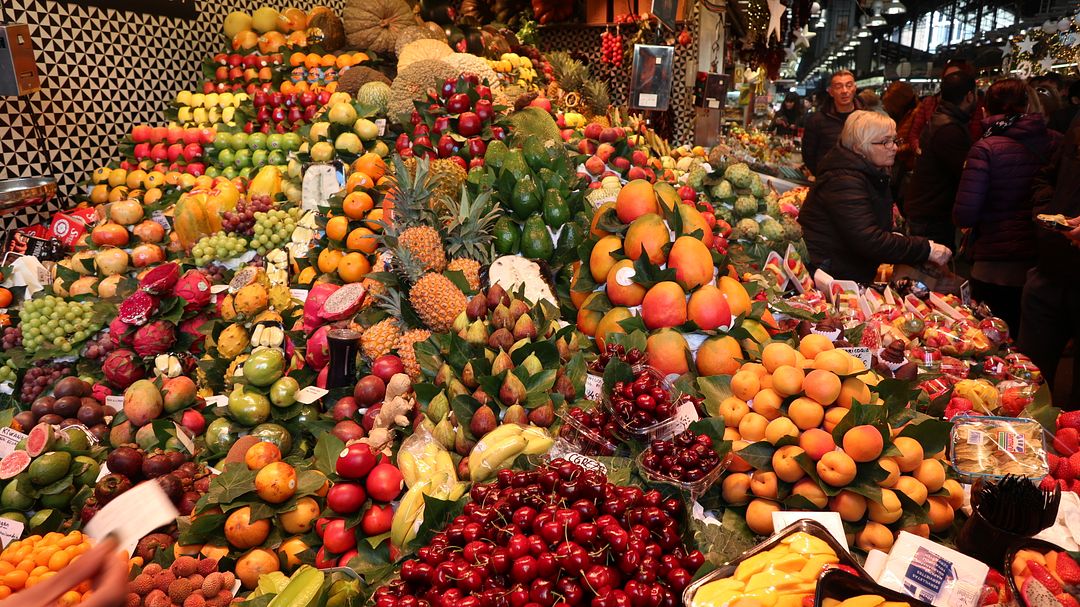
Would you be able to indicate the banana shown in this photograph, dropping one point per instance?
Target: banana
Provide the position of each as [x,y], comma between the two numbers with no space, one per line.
[458,490]
[410,512]
[501,432]
[407,464]
[539,441]
[444,463]
[483,463]
[303,588]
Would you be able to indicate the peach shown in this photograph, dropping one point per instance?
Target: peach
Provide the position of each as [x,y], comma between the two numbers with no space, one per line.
[759,516]
[813,344]
[588,320]
[912,488]
[621,288]
[956,493]
[735,293]
[692,262]
[708,308]
[635,199]
[664,305]
[600,260]
[732,434]
[874,536]
[738,464]
[809,489]
[667,350]
[852,390]
[777,354]
[787,380]
[941,514]
[784,464]
[736,489]
[822,386]
[647,234]
[921,530]
[816,443]
[779,428]
[806,413]
[833,417]
[732,409]
[849,505]
[610,324]
[833,360]
[863,443]
[888,511]
[836,468]
[752,426]
[931,473]
[763,484]
[745,384]
[718,355]
[767,402]
[912,453]
[890,466]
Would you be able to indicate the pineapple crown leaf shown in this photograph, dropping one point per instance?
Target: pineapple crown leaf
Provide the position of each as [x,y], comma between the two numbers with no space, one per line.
[469,222]
[411,191]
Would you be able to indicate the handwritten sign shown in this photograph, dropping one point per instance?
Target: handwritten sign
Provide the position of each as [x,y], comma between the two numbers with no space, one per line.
[9,530]
[862,354]
[9,437]
[594,387]
[310,394]
[133,515]
[585,462]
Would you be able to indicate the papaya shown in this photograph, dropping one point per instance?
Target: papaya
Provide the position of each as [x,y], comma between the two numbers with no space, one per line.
[190,220]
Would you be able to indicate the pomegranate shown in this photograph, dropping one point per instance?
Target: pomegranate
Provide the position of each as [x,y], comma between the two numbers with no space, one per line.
[147,254]
[109,234]
[126,212]
[161,279]
[122,368]
[137,309]
[194,288]
[111,261]
[149,231]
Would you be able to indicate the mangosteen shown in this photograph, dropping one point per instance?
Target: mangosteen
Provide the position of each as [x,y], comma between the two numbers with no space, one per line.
[42,406]
[71,386]
[67,406]
[110,486]
[176,459]
[91,414]
[109,410]
[202,485]
[24,421]
[89,509]
[149,545]
[127,461]
[187,502]
[156,465]
[52,419]
[171,486]
[189,469]
[100,431]
[70,421]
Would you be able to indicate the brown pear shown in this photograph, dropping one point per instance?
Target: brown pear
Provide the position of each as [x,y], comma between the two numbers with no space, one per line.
[500,318]
[468,376]
[517,308]
[482,422]
[524,328]
[481,397]
[512,391]
[564,386]
[477,307]
[516,414]
[444,375]
[501,339]
[501,363]
[543,416]
[497,295]
[477,334]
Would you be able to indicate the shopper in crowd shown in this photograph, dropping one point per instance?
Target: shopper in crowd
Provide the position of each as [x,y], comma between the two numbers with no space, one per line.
[870,100]
[899,103]
[931,191]
[847,216]
[928,105]
[788,118]
[1061,119]
[1051,294]
[823,127]
[993,201]
[104,565]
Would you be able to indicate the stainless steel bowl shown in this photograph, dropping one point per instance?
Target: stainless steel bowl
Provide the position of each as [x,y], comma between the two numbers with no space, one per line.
[18,193]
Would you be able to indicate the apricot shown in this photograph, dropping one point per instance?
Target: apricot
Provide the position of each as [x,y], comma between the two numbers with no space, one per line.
[588,320]
[833,417]
[889,510]
[732,434]
[757,368]
[738,464]
[912,453]
[635,199]
[816,443]
[912,488]
[890,466]
[784,464]
[853,390]
[921,530]
[667,350]
[833,360]
[718,355]
[813,344]
[849,505]
[664,305]
[863,443]
[732,409]
[735,293]
[941,514]
[610,324]
[254,564]
[621,289]
[779,428]
[787,380]
[759,516]
[777,354]
[692,263]
[600,260]
[745,384]
[767,402]
[752,426]
[874,536]
[822,386]
[809,489]
[764,484]
[836,468]
[806,413]
[931,474]
[647,234]
[736,489]
[956,493]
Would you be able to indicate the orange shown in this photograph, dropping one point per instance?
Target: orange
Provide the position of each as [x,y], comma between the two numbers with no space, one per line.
[71,597]
[301,87]
[343,61]
[357,204]
[5,297]
[306,276]
[297,59]
[6,567]
[371,165]
[359,180]
[59,560]
[353,266]
[373,219]
[287,87]
[41,556]
[312,61]
[337,228]
[329,260]
[5,592]
[363,240]
[328,60]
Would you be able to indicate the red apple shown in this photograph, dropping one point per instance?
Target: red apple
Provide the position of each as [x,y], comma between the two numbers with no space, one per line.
[541,102]
[477,147]
[469,124]
[386,366]
[141,133]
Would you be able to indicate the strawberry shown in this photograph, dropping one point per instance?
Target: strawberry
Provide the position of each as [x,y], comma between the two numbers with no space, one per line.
[1048,483]
[1067,441]
[1040,573]
[1065,470]
[1067,600]
[1069,419]
[1074,486]
[1068,569]
[1053,461]
[1074,462]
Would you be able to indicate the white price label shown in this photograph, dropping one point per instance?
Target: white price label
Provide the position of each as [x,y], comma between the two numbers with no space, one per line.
[585,462]
[300,294]
[310,394]
[217,400]
[862,354]
[133,514]
[381,123]
[647,100]
[215,289]
[9,437]
[685,415]
[163,221]
[185,440]
[116,401]
[594,387]
[9,530]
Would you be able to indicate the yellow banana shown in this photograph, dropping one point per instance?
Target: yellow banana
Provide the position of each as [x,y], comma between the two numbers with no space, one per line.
[410,506]
[407,464]
[484,463]
[444,463]
[458,490]
[502,431]
[539,441]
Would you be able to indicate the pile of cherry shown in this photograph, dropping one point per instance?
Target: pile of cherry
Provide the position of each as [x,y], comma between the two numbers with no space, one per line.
[558,536]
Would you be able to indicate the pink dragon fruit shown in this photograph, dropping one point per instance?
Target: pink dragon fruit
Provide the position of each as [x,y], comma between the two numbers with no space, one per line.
[314,304]
[318,348]
[118,332]
[194,288]
[122,368]
[155,338]
[191,327]
[344,302]
[161,279]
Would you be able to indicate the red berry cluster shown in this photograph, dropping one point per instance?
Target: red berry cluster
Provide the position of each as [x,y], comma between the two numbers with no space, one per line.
[632,357]
[558,536]
[611,48]
[457,124]
[687,458]
[599,422]
[247,73]
[643,402]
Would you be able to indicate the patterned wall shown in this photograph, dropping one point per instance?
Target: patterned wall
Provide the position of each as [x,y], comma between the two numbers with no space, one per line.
[103,70]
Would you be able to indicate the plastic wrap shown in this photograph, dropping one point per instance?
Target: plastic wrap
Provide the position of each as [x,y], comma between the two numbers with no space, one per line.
[991,447]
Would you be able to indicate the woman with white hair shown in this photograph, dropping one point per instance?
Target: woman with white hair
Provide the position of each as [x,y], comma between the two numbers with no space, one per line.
[847,217]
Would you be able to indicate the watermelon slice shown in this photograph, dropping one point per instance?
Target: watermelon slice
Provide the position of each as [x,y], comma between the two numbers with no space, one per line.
[1037,595]
[41,439]
[13,464]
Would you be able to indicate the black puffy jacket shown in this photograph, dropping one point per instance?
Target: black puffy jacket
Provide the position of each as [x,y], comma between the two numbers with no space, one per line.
[1057,190]
[847,220]
[944,144]
[821,131]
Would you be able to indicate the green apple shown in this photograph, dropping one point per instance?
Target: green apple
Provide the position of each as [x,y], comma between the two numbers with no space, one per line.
[277,157]
[243,159]
[221,141]
[319,131]
[342,113]
[230,172]
[226,157]
[238,141]
[212,171]
[348,142]
[366,129]
[258,158]
[257,141]
[290,142]
[246,172]
[322,151]
[273,141]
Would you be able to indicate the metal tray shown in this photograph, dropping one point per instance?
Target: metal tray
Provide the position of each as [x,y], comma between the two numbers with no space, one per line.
[842,585]
[806,526]
[18,193]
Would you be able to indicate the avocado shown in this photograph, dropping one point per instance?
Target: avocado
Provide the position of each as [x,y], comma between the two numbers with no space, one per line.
[495,154]
[536,241]
[571,237]
[556,211]
[507,236]
[535,154]
[526,198]
[514,163]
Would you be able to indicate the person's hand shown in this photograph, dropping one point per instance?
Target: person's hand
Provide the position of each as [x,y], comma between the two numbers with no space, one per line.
[939,253]
[1074,234]
[103,565]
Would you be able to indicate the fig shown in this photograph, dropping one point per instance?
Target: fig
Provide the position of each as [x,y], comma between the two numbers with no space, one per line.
[501,339]
[516,414]
[477,307]
[512,390]
[483,421]
[496,295]
[543,416]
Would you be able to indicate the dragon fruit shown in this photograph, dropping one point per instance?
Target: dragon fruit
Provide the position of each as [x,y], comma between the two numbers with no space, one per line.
[194,288]
[191,327]
[138,308]
[343,302]
[118,332]
[314,303]
[318,348]
[161,279]
[155,338]
[122,368]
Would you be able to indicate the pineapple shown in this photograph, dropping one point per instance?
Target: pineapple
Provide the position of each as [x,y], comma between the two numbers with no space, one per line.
[407,352]
[446,177]
[468,223]
[375,288]
[470,268]
[559,61]
[412,229]
[437,301]
[425,243]
[380,338]
[596,97]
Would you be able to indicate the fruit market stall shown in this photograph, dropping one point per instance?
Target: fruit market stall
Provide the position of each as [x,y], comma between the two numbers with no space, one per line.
[385,311]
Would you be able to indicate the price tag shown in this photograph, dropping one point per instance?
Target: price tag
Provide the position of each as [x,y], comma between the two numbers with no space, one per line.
[685,415]
[116,401]
[300,294]
[965,293]
[185,440]
[594,387]
[381,123]
[310,394]
[217,400]
[862,354]
[215,289]
[585,462]
[647,100]
[160,219]
[9,437]
[132,515]
[9,530]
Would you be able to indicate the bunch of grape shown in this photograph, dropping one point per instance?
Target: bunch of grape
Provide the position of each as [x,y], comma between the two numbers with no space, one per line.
[11,338]
[218,273]
[54,322]
[40,377]
[8,372]
[242,220]
[98,347]
[218,246]
[273,229]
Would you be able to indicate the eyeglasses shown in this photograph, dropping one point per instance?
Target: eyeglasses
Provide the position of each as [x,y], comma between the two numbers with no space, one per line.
[895,141]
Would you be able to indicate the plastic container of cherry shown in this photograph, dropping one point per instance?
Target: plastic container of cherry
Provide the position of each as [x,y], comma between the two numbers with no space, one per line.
[687,461]
[589,432]
[650,407]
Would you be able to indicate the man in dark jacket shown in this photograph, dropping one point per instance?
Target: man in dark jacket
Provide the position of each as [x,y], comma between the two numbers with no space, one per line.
[1051,296]
[945,144]
[823,127]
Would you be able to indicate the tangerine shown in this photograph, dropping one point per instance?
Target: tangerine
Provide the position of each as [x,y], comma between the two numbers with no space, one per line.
[357,204]
[329,260]
[372,165]
[353,266]
[337,228]
[296,60]
[359,180]
[328,60]
[374,220]
[363,240]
